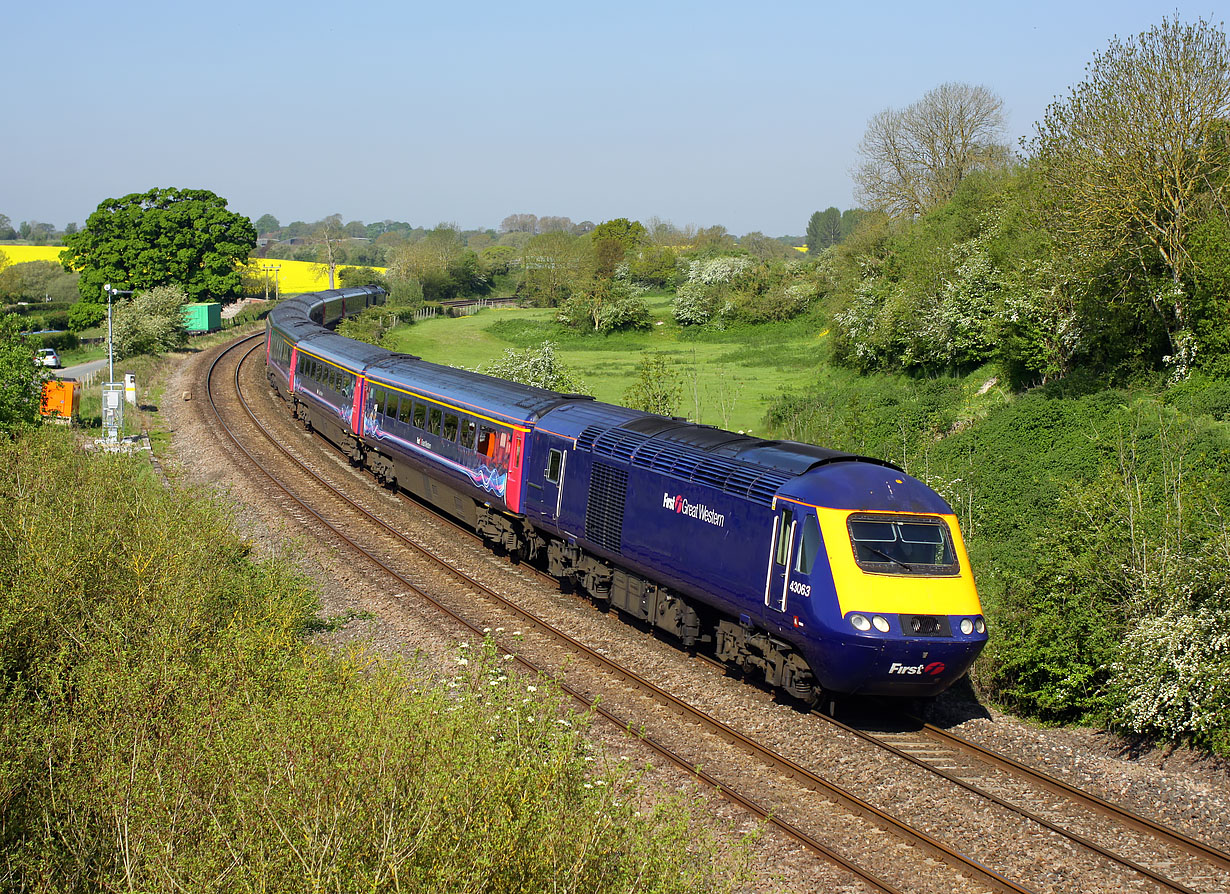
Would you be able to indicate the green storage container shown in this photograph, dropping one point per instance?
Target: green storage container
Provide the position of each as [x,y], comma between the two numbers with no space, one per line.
[203,317]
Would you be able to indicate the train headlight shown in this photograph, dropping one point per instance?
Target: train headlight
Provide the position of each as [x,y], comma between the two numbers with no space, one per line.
[881,623]
[860,623]
[980,625]
[967,626]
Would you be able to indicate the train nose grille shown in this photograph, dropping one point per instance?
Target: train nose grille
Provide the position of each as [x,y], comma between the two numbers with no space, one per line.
[926,625]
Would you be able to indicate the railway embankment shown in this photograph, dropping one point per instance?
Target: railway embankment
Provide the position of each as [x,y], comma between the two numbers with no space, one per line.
[170,723]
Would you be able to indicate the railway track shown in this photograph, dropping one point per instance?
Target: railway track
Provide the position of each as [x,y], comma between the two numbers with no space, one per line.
[799,801]
[1142,846]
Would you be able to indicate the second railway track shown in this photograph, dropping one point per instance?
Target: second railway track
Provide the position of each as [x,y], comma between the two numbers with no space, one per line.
[803,782]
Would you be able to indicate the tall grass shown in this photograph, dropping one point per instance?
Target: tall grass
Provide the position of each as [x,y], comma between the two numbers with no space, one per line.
[164,725]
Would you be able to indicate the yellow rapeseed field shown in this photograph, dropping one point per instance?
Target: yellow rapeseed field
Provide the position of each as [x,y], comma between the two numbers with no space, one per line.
[292,276]
[21,254]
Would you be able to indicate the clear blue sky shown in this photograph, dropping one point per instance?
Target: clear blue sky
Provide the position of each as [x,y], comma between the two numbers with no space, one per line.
[743,114]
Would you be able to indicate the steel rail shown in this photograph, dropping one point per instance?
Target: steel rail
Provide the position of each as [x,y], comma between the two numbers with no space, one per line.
[999,801]
[1171,836]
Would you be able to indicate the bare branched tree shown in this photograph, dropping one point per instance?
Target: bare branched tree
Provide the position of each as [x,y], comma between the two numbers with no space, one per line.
[329,238]
[914,158]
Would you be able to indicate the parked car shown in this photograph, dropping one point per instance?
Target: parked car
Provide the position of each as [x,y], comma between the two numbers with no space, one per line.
[48,357]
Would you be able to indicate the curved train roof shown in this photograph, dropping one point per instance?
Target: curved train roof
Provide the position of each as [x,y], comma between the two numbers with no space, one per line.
[478,393]
[739,463]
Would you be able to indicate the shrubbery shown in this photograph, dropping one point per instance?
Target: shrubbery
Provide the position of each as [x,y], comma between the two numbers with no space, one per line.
[164,728]
[150,322]
[605,306]
[537,366]
[728,288]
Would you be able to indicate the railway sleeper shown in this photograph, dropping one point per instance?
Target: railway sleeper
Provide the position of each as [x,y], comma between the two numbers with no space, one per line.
[756,651]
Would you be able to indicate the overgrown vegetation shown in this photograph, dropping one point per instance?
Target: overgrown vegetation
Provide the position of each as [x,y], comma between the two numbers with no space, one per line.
[165,729]
[1046,347]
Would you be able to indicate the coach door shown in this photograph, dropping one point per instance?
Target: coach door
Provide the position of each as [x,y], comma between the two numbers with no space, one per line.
[546,469]
[553,482]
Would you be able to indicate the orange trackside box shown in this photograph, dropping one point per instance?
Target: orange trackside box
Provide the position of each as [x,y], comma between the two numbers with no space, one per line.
[61,399]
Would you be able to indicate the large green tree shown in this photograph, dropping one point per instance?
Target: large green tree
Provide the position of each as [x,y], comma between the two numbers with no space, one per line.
[824,229]
[184,237]
[613,239]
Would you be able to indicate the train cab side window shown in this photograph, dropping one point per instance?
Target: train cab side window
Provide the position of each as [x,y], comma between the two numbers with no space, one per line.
[420,416]
[469,433]
[809,546]
[433,421]
[450,427]
[555,463]
[783,537]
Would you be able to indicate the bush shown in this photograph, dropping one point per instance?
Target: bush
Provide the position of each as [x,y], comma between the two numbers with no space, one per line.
[539,367]
[352,277]
[1172,678]
[606,306]
[86,315]
[59,341]
[150,323]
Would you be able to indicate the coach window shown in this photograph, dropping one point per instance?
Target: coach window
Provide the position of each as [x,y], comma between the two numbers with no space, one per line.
[377,400]
[433,421]
[450,427]
[809,546]
[469,433]
[420,415]
[403,410]
[555,461]
[485,441]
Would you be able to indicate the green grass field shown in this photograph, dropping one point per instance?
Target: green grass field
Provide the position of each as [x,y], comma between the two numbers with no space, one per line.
[726,378]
